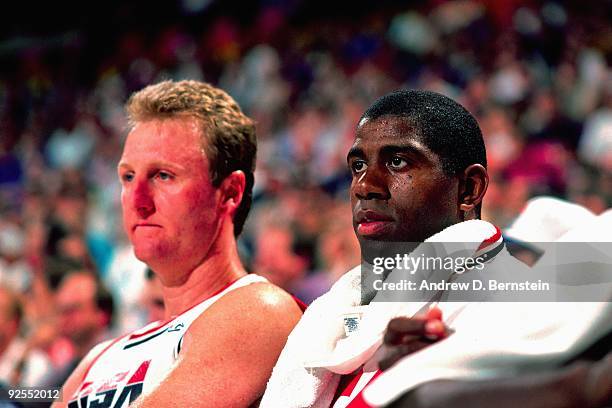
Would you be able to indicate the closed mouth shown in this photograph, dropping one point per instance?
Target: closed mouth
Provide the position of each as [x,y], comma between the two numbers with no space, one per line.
[145,225]
[367,216]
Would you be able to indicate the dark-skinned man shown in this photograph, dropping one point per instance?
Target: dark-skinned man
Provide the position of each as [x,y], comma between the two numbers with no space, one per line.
[419,175]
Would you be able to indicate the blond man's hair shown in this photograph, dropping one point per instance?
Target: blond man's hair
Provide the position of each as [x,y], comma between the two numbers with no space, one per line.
[228,135]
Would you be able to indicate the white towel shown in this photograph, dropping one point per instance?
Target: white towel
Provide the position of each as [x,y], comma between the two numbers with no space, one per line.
[317,354]
[505,339]
[498,339]
[293,385]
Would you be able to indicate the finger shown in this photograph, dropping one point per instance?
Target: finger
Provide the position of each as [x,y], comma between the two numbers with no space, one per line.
[400,329]
[598,388]
[435,329]
[398,352]
[435,313]
[394,338]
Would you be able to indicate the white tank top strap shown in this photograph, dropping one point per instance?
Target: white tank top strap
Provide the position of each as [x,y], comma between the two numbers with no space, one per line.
[244,281]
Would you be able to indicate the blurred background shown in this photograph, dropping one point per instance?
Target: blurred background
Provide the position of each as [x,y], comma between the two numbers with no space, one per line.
[536,74]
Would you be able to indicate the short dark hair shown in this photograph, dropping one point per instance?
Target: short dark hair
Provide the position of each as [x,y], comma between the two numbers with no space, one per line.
[442,124]
[102,297]
[230,133]
[104,302]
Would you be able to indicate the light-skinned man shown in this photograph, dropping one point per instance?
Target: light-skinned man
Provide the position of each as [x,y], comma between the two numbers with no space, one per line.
[187,177]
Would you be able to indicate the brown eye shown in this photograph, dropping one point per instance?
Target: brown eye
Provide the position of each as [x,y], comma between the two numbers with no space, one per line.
[358,166]
[397,163]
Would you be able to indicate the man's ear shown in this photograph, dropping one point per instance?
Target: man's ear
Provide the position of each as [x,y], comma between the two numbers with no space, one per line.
[472,188]
[232,189]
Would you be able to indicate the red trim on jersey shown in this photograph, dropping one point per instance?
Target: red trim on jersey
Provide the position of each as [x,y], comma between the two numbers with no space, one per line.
[93,361]
[359,401]
[159,326]
[350,387]
[348,381]
[140,373]
[492,239]
[134,336]
[112,382]
[165,322]
[303,306]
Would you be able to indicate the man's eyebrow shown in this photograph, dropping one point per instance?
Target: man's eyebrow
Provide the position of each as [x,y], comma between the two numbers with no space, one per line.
[122,165]
[155,164]
[416,150]
[354,152]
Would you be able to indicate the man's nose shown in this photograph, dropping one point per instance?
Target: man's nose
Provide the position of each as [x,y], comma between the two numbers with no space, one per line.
[142,198]
[371,185]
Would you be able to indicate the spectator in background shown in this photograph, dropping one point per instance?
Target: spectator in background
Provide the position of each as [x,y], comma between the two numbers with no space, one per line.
[596,140]
[21,364]
[337,249]
[85,315]
[15,271]
[275,258]
[126,281]
[152,297]
[508,61]
[71,144]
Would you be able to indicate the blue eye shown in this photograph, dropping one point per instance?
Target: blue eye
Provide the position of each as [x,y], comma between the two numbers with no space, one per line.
[164,176]
[127,177]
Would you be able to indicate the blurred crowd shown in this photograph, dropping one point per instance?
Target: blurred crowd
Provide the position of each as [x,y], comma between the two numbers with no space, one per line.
[536,74]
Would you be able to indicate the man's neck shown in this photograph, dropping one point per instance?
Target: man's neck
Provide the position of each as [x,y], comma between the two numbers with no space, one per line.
[220,268]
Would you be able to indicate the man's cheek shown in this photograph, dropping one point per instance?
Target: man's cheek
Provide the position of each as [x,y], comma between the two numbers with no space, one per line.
[125,214]
[198,200]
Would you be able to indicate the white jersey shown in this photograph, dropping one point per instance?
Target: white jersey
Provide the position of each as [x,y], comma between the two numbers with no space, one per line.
[137,362]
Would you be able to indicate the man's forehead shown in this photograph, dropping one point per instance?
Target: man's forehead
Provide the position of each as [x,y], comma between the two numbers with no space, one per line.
[78,286]
[175,129]
[177,139]
[388,126]
[389,130]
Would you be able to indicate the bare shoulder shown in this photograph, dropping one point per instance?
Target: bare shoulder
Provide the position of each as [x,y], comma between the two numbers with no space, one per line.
[262,305]
[233,346]
[261,295]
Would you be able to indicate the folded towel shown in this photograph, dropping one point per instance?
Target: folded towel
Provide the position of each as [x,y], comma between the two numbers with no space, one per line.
[498,339]
[318,352]
[504,339]
[292,384]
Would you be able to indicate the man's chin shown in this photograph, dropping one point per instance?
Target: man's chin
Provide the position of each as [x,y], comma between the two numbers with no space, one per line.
[386,247]
[372,247]
[373,239]
[147,254]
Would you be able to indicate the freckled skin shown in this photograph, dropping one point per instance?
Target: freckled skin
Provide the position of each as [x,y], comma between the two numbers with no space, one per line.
[166,185]
[419,198]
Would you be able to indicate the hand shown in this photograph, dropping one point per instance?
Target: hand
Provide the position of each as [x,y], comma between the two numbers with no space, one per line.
[406,335]
[580,385]
[598,388]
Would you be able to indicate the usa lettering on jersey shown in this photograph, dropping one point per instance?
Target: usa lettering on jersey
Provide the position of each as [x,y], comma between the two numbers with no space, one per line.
[114,392]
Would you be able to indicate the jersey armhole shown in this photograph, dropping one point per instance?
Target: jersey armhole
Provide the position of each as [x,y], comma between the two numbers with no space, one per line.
[95,359]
